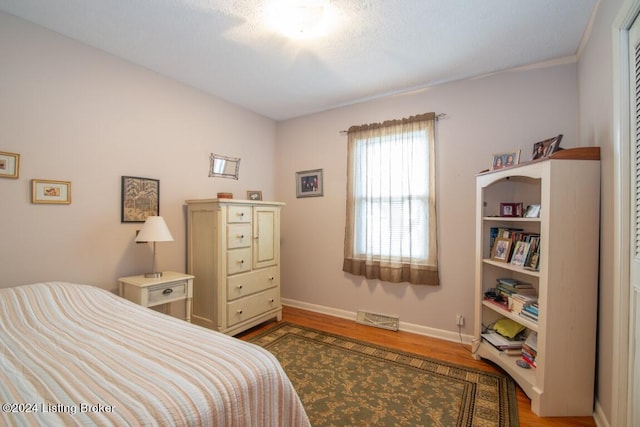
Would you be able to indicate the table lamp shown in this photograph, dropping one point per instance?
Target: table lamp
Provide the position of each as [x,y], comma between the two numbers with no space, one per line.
[154,230]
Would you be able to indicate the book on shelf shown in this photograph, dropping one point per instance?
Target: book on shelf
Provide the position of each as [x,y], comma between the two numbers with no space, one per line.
[530,349]
[501,342]
[529,316]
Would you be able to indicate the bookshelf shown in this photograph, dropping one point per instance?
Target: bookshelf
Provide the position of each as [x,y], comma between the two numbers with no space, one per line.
[567,187]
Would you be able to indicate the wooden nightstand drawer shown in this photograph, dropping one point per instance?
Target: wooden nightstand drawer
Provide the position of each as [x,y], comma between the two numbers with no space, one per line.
[156,291]
[238,214]
[253,305]
[168,292]
[246,284]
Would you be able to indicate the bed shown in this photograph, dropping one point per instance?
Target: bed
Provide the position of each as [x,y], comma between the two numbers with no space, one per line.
[76,354]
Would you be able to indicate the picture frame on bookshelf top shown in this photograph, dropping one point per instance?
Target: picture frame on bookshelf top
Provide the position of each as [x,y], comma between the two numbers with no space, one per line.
[532,211]
[511,209]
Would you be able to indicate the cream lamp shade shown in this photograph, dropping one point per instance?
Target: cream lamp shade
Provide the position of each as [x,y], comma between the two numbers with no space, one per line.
[154,230]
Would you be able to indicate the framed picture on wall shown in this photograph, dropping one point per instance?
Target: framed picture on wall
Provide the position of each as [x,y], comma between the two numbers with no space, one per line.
[50,192]
[140,198]
[9,165]
[309,183]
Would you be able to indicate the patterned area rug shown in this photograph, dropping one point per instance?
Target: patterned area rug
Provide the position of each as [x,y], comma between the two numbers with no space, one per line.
[345,382]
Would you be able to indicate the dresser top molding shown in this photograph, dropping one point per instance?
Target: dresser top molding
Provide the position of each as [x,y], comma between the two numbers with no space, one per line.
[236,202]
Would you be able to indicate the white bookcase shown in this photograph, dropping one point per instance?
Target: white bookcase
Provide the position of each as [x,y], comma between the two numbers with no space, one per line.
[567,186]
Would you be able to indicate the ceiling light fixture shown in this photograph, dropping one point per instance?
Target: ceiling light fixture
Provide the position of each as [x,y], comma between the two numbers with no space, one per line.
[301,19]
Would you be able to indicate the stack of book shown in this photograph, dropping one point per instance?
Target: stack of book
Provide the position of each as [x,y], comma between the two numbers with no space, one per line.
[530,349]
[530,312]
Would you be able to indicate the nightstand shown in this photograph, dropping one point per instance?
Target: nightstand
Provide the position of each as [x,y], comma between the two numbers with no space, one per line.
[150,292]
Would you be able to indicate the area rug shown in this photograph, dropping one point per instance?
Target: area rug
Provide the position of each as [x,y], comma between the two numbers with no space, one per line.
[345,382]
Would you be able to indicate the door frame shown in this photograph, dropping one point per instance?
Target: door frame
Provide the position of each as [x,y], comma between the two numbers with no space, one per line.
[622,330]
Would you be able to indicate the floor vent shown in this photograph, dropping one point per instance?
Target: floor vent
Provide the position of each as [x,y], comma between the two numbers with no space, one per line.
[378,320]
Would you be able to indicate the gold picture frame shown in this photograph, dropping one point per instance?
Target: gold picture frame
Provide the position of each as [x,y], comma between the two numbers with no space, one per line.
[501,249]
[9,165]
[50,192]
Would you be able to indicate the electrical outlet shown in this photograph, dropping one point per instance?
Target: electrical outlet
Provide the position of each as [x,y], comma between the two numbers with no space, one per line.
[459,320]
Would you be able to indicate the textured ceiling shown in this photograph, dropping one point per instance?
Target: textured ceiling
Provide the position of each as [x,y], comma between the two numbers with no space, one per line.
[376,47]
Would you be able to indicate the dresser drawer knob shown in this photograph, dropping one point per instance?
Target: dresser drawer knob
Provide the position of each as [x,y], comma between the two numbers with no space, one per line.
[271,278]
[239,312]
[241,236]
[239,286]
[168,291]
[241,261]
[272,300]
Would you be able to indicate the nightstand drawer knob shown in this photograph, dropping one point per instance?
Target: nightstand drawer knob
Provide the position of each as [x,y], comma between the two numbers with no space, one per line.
[241,261]
[272,300]
[271,278]
[239,286]
[239,311]
[168,291]
[241,236]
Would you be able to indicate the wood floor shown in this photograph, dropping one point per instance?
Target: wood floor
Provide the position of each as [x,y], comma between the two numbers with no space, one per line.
[418,344]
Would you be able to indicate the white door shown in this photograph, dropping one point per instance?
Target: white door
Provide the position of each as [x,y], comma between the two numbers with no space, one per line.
[634,288]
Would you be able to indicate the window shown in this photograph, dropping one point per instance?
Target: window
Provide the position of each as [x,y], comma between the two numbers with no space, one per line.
[390,231]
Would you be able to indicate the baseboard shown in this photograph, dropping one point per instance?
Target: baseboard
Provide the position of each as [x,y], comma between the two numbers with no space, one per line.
[599,417]
[404,326]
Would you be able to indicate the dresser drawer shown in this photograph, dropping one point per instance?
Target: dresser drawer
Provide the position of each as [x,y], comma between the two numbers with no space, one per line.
[253,305]
[238,260]
[167,292]
[246,284]
[238,236]
[238,214]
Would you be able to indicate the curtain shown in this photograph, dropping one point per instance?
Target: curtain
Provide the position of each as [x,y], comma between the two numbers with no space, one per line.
[390,231]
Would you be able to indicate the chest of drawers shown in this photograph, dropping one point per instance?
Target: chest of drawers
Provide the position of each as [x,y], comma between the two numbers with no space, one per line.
[234,246]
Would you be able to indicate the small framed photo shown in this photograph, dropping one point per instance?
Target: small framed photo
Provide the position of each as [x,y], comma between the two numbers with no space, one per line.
[546,148]
[51,192]
[520,253]
[532,262]
[511,209]
[254,195]
[9,165]
[140,198]
[309,183]
[503,160]
[501,249]
[532,211]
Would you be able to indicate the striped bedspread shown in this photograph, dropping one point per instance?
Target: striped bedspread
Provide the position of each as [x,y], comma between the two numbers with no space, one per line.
[79,355]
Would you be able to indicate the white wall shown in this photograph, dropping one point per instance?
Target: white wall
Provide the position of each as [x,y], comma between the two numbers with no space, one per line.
[596,128]
[77,114]
[498,113]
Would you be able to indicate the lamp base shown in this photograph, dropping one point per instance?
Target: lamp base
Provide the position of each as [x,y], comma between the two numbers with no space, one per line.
[153,275]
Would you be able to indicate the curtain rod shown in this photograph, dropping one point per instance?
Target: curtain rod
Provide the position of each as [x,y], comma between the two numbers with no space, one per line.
[438,117]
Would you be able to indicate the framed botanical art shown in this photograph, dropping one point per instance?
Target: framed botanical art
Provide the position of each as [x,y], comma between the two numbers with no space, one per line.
[140,198]
[309,183]
[50,192]
[9,165]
